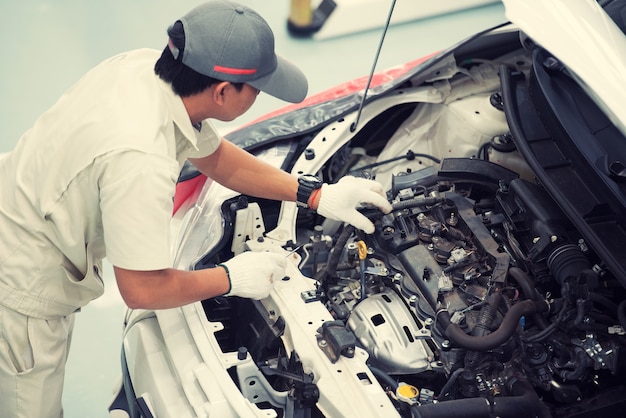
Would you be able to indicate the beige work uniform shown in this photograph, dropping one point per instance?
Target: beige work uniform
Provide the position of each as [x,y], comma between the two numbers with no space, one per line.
[97,171]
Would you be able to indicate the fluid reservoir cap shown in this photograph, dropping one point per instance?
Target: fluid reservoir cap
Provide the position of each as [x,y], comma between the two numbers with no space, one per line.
[407,393]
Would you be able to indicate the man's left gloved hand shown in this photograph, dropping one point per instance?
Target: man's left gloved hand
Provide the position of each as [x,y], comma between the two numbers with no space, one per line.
[340,201]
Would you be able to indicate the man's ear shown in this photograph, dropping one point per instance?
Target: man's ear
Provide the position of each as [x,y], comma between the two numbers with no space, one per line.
[219,92]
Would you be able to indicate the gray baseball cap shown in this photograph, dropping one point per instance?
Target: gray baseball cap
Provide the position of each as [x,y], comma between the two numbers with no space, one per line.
[231,42]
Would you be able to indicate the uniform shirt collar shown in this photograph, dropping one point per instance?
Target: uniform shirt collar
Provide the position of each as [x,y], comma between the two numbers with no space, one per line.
[194,133]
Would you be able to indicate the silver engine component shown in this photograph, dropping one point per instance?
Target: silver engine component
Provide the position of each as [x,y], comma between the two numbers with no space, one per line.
[384,326]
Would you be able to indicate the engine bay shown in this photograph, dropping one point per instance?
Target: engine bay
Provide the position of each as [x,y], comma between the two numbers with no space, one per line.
[476,293]
[467,290]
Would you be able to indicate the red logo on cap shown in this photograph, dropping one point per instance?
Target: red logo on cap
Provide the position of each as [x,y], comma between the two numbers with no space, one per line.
[235,71]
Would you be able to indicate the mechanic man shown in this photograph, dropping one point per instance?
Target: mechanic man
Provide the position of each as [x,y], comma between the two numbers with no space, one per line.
[95,177]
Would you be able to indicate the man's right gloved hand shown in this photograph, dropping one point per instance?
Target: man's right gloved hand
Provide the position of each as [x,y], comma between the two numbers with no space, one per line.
[341,200]
[252,274]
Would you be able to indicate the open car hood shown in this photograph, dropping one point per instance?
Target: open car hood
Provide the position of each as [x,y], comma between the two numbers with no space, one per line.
[575,91]
[585,39]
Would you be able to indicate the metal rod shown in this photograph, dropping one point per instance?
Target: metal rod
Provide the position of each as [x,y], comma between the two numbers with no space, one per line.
[369,80]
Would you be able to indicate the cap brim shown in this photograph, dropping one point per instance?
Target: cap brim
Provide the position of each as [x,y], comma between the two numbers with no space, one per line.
[287,82]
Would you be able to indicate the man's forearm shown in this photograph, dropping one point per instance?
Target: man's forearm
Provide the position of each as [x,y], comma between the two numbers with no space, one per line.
[169,288]
[241,171]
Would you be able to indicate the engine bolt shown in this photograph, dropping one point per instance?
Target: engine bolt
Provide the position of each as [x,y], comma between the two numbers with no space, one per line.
[389,230]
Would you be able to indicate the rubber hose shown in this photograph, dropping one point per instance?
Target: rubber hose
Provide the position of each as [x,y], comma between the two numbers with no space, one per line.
[458,408]
[529,290]
[384,376]
[580,312]
[582,362]
[498,337]
[451,381]
[488,314]
[525,283]
[523,404]
[416,202]
[604,301]
[335,255]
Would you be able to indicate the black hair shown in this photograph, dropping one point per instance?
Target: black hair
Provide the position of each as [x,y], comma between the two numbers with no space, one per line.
[184,80]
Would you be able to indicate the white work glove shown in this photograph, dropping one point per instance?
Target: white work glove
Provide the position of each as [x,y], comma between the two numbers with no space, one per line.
[253,274]
[340,201]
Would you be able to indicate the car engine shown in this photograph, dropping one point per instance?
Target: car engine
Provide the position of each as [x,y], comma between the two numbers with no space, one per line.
[491,280]
[475,292]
